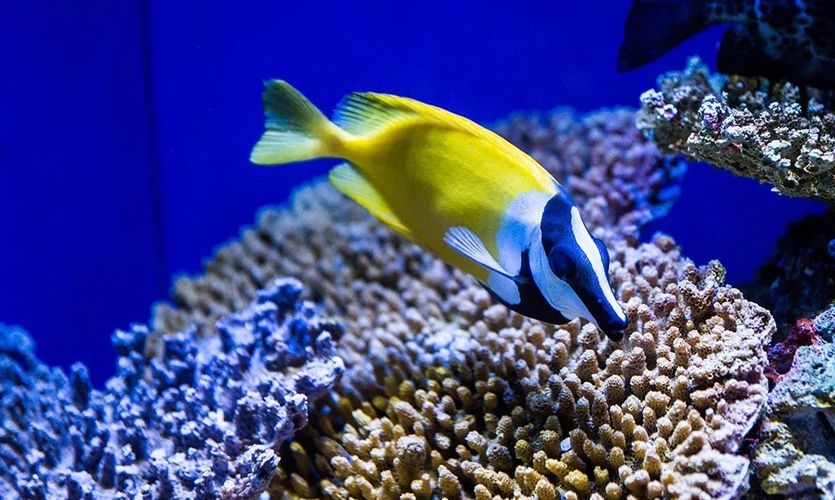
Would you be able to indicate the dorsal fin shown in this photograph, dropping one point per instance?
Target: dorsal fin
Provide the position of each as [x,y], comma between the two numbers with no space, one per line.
[363,113]
[367,113]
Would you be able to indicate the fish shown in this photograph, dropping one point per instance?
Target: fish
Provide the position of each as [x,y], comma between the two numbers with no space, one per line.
[458,190]
[774,39]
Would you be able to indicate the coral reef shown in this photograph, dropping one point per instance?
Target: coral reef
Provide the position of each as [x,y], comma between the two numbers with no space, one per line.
[489,403]
[797,452]
[449,395]
[202,419]
[754,129]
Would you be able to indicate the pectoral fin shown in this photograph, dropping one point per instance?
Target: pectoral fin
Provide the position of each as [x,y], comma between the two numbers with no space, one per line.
[465,242]
[352,184]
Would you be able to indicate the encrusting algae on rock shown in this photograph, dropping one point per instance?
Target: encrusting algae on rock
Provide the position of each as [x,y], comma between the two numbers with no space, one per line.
[447,394]
[747,126]
[796,454]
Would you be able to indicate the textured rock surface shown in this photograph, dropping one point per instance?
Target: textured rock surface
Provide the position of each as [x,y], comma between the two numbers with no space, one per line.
[799,280]
[795,449]
[745,126]
[797,452]
[447,394]
[203,419]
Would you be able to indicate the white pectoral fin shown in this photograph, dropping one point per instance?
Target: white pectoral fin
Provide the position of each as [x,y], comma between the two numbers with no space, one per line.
[465,242]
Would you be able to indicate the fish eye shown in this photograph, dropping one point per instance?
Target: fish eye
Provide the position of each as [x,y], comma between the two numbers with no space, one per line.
[562,264]
[604,252]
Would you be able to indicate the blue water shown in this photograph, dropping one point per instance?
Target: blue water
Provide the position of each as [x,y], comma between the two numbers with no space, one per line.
[125,129]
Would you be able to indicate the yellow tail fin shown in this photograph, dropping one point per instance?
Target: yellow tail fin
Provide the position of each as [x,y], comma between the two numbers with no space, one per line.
[296,130]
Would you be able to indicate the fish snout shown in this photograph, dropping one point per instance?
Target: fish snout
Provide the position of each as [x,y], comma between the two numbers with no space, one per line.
[615,327]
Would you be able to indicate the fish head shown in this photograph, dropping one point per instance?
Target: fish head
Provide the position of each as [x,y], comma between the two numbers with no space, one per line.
[570,267]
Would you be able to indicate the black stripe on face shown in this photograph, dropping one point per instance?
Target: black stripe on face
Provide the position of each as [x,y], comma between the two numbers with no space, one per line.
[587,288]
[532,304]
[561,245]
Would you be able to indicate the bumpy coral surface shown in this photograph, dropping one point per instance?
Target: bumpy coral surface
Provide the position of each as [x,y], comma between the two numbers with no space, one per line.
[486,403]
[747,126]
[797,452]
[448,395]
[203,419]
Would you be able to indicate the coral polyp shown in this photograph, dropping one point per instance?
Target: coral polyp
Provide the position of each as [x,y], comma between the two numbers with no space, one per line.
[510,407]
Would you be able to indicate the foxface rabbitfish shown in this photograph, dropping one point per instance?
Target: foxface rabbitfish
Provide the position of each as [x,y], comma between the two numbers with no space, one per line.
[458,190]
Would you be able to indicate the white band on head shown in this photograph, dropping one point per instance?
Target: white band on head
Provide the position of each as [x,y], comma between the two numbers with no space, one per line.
[587,245]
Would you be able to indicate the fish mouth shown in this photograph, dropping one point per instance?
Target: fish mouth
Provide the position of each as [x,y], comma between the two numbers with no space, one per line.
[615,328]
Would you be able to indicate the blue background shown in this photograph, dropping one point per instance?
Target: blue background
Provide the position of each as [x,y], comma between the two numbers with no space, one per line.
[125,129]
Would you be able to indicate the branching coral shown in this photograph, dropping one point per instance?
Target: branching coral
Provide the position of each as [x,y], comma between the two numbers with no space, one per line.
[746,126]
[447,394]
[514,408]
[203,419]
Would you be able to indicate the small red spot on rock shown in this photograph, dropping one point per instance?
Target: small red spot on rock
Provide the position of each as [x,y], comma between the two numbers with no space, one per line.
[781,355]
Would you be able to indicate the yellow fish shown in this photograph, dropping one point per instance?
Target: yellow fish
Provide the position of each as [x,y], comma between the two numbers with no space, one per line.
[460,191]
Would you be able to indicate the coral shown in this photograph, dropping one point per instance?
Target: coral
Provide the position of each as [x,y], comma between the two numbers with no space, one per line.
[512,407]
[203,419]
[754,129]
[797,452]
[799,280]
[448,394]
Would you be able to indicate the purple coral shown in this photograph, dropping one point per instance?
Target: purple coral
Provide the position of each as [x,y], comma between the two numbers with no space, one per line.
[202,419]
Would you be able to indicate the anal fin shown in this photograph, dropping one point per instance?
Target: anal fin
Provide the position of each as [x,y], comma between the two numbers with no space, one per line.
[345,178]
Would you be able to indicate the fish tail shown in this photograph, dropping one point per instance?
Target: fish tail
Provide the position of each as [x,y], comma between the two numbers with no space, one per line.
[295,129]
[656,26]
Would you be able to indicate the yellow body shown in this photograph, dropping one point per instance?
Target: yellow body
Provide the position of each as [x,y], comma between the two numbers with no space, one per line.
[428,170]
